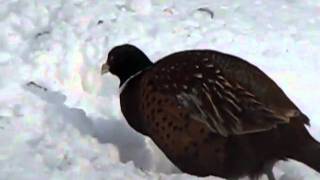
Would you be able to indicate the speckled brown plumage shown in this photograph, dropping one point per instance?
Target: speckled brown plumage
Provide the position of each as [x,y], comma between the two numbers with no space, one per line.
[211,113]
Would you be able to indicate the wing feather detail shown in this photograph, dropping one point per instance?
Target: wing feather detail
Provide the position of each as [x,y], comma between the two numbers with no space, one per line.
[228,109]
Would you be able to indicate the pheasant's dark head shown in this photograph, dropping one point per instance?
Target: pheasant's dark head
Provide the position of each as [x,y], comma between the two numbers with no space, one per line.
[125,61]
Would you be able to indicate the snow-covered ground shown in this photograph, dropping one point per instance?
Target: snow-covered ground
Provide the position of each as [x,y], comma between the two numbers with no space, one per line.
[59,119]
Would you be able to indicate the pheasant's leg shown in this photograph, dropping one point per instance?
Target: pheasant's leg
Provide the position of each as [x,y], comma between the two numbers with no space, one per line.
[270,174]
[268,171]
[254,178]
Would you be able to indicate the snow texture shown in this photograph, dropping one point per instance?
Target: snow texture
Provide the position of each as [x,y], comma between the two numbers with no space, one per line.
[59,119]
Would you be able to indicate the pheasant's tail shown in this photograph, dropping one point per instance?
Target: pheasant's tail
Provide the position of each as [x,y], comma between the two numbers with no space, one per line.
[309,155]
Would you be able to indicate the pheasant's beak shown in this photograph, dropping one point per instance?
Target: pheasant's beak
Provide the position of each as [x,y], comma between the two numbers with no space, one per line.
[104,68]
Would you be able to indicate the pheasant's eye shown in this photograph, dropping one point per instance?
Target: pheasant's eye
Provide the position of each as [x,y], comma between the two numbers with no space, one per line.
[111,60]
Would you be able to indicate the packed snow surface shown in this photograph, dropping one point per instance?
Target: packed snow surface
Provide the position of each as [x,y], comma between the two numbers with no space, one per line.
[59,119]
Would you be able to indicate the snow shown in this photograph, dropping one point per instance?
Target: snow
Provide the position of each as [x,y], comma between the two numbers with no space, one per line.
[59,119]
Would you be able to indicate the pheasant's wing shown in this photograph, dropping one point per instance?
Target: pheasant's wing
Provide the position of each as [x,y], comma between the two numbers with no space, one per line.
[227,109]
[226,105]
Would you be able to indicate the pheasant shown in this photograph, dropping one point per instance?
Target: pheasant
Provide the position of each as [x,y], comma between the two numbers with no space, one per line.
[211,113]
